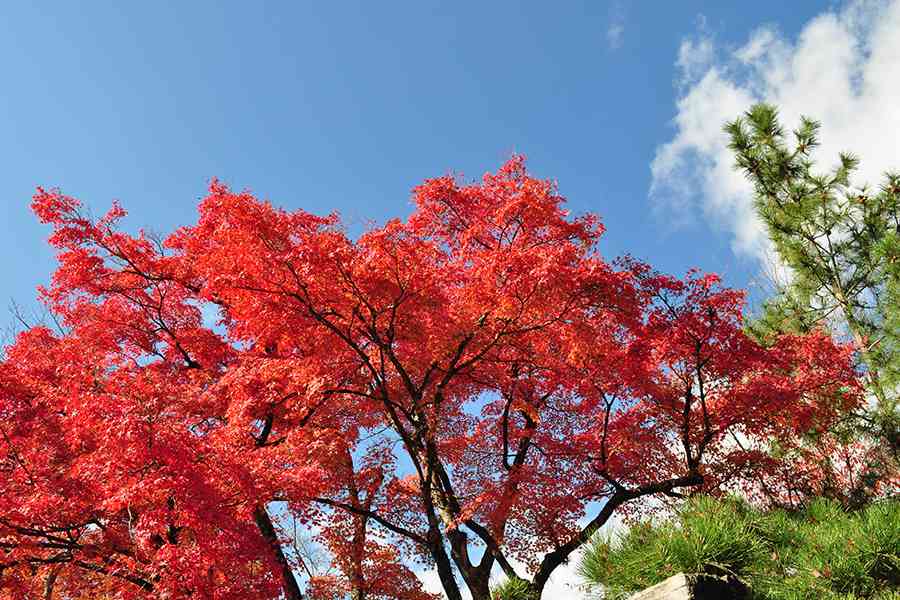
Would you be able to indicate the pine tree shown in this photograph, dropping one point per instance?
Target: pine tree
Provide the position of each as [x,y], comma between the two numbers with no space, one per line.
[841,243]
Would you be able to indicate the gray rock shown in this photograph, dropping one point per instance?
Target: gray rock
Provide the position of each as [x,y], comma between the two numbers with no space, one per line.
[693,587]
[673,588]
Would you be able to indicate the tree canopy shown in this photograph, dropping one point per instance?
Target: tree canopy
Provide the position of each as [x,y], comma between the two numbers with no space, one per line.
[472,388]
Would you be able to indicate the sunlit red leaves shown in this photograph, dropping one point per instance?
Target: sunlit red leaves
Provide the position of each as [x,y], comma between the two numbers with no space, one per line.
[107,478]
[479,360]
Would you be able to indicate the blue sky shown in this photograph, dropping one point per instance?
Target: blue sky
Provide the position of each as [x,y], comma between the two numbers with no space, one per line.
[343,106]
[340,106]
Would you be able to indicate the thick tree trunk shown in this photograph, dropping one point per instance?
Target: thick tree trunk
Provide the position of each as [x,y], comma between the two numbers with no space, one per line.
[480,589]
[445,571]
[360,529]
[289,585]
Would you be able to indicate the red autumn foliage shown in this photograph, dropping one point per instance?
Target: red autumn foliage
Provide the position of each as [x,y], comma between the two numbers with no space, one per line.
[472,387]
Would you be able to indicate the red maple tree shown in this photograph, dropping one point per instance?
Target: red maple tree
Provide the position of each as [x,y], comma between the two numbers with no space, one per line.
[472,388]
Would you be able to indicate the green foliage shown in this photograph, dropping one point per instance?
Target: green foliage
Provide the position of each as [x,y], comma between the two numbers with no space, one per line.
[823,551]
[513,589]
[633,562]
[841,242]
[709,537]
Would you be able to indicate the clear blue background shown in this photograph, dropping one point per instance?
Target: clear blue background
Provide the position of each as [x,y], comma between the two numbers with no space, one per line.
[345,106]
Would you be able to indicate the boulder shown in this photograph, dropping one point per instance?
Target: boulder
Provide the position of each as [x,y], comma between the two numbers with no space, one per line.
[673,588]
[695,587]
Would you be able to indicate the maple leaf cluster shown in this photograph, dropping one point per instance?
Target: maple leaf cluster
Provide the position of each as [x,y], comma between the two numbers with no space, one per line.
[473,387]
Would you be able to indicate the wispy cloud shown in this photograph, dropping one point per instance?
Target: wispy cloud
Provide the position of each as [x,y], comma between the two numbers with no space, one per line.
[615,32]
[695,54]
[615,35]
[841,70]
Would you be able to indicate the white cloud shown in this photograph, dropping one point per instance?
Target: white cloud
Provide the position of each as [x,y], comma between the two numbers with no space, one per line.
[431,582]
[615,32]
[614,35]
[841,70]
[565,582]
[694,57]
